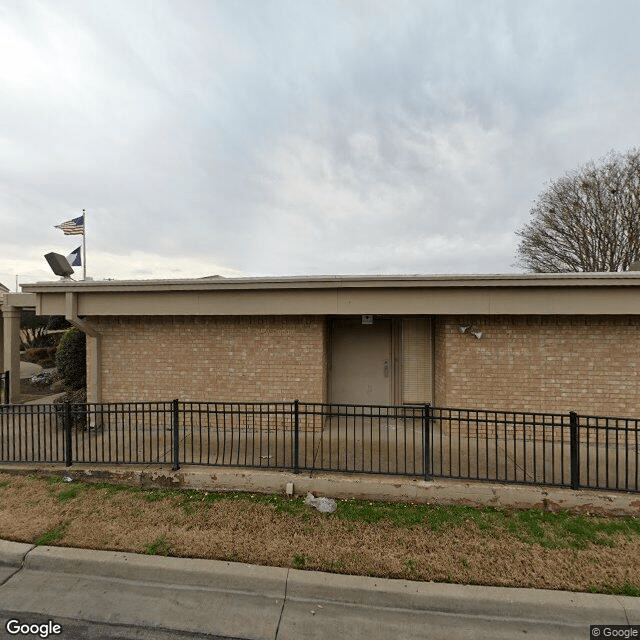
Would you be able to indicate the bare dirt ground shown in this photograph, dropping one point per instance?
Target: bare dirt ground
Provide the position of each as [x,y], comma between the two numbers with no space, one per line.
[416,542]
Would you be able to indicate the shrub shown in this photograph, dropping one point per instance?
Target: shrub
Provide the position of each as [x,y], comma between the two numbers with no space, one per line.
[45,357]
[57,323]
[71,359]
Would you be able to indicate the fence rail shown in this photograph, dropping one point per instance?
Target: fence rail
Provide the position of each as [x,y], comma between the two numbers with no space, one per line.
[413,440]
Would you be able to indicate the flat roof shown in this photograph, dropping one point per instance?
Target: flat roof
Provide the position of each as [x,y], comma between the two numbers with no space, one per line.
[391,295]
[581,279]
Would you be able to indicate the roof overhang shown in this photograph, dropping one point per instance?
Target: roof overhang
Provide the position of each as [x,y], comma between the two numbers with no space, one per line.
[502,294]
[21,300]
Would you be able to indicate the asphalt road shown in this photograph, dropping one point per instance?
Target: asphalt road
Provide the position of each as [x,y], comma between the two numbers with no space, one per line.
[87,630]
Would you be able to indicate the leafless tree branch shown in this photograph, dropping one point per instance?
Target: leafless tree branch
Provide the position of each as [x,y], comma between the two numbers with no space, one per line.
[587,220]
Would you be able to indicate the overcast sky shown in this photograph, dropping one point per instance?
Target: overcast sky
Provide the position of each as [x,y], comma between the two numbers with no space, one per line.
[242,137]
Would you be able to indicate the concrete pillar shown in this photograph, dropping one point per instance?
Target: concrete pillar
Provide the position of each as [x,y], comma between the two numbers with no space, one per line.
[11,360]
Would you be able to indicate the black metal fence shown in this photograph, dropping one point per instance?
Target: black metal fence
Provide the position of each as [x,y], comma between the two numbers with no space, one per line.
[424,441]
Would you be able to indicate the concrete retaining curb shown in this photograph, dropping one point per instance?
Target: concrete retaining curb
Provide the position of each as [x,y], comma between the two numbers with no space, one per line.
[12,555]
[192,572]
[337,485]
[198,596]
[491,602]
[248,601]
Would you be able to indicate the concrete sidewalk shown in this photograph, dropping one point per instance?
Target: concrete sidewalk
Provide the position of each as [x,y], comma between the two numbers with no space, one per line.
[235,600]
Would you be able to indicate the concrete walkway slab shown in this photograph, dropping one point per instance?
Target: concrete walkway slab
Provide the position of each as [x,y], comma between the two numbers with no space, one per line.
[50,399]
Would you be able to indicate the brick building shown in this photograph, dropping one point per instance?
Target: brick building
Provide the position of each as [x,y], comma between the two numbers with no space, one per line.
[552,342]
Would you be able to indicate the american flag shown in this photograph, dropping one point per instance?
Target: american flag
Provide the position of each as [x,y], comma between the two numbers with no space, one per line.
[73,227]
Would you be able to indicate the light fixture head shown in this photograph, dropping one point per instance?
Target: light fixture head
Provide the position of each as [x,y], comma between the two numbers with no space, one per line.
[478,334]
[59,264]
[464,328]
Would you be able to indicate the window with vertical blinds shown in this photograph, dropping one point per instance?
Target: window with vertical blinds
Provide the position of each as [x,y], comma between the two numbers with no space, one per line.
[417,360]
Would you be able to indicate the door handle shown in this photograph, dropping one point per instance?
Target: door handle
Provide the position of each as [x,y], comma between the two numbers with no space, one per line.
[386,368]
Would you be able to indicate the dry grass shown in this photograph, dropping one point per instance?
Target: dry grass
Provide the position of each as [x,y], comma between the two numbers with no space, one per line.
[417,542]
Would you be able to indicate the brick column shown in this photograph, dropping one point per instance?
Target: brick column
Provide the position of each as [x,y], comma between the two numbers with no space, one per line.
[94,379]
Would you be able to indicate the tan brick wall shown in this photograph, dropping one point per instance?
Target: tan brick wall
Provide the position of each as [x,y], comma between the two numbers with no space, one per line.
[213,358]
[590,364]
[440,362]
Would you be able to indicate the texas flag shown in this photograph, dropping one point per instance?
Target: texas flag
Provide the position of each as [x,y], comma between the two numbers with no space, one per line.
[75,257]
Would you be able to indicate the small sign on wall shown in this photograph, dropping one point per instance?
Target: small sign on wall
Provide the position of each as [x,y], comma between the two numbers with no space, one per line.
[367,319]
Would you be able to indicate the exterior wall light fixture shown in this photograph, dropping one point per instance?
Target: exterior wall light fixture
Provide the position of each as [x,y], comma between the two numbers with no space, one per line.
[467,328]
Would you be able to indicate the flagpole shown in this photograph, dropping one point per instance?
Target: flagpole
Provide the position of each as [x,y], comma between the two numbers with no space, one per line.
[84,245]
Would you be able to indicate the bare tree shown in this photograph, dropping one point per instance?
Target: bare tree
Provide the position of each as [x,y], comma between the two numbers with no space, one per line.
[587,220]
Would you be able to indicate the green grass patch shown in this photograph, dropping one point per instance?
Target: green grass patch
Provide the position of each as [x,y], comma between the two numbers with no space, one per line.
[156,495]
[373,512]
[410,564]
[564,530]
[192,500]
[410,515]
[51,537]
[439,517]
[289,506]
[5,483]
[159,547]
[111,490]
[299,561]
[535,527]
[625,589]
[69,494]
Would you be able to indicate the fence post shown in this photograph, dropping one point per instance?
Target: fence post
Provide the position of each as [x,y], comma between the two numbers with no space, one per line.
[426,444]
[296,435]
[66,423]
[574,449]
[175,434]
